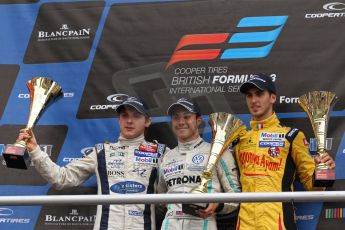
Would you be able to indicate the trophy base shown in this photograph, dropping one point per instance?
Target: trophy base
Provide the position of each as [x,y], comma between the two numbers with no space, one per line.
[192,208]
[16,157]
[323,178]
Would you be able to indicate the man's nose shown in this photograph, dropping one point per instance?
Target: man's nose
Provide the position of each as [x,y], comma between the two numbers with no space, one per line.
[181,121]
[253,99]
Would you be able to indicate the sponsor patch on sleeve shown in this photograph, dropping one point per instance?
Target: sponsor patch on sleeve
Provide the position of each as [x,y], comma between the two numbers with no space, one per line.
[148,148]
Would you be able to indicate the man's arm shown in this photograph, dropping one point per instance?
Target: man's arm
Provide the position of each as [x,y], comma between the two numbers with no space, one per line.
[73,174]
[228,176]
[305,164]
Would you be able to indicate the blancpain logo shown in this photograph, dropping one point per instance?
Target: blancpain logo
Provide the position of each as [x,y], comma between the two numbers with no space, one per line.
[64,33]
[72,218]
[64,27]
[74,212]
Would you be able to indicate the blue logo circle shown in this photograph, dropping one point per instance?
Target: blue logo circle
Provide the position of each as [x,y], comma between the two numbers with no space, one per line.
[198,159]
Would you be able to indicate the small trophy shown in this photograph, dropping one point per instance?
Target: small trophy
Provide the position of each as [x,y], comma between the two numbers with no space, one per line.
[225,129]
[318,104]
[42,91]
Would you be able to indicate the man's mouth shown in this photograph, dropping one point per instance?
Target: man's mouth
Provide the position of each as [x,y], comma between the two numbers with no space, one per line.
[181,128]
[255,107]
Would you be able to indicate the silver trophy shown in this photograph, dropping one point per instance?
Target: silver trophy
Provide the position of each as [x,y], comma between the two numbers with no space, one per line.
[226,128]
[42,91]
[318,104]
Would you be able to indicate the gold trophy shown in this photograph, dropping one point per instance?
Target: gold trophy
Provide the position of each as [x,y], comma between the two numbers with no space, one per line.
[226,128]
[42,91]
[318,104]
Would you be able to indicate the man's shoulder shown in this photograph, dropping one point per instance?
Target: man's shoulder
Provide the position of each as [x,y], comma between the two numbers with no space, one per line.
[171,151]
[292,133]
[205,147]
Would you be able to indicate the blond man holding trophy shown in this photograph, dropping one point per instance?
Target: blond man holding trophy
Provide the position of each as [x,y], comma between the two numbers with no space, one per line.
[269,156]
[128,166]
[181,169]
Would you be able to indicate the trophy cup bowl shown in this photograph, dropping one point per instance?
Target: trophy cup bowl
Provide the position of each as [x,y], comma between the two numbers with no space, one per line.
[226,128]
[42,91]
[317,105]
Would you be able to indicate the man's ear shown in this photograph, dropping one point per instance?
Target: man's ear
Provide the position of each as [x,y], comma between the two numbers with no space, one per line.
[147,122]
[273,98]
[198,120]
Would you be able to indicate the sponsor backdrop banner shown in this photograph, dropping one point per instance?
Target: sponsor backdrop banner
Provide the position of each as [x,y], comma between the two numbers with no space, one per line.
[102,51]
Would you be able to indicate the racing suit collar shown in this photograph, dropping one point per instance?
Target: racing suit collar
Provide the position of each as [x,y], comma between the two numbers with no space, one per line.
[191,144]
[270,121]
[133,141]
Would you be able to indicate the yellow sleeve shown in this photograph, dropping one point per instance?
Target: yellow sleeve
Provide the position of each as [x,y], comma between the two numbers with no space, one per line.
[305,165]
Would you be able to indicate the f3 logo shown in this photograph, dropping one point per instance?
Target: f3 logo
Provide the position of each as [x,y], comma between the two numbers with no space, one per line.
[271,36]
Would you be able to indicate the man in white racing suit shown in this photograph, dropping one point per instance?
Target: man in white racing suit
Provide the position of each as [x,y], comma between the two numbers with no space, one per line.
[180,170]
[128,166]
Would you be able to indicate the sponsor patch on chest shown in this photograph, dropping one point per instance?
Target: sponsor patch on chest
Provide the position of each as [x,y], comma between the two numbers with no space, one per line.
[135,213]
[116,154]
[116,164]
[197,163]
[146,160]
[271,140]
[198,158]
[192,179]
[172,169]
[139,153]
[144,157]
[274,151]
[127,187]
